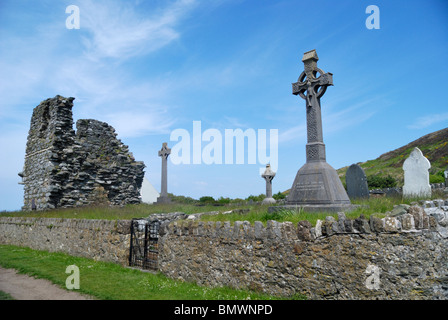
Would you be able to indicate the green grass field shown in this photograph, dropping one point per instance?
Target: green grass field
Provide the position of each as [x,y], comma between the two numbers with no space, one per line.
[109,281]
[372,206]
[112,213]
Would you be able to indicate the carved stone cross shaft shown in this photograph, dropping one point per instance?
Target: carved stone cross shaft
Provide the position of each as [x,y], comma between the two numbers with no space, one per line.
[312,88]
[164,153]
[268,175]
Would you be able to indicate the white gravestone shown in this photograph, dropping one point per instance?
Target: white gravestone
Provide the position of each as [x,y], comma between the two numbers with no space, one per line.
[446,179]
[416,175]
[148,193]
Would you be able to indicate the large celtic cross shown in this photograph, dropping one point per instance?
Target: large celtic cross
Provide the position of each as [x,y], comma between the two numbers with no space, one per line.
[312,87]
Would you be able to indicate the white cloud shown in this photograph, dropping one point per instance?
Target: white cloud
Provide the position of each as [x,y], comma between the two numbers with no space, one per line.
[129,124]
[351,116]
[331,122]
[295,133]
[48,62]
[428,120]
[119,31]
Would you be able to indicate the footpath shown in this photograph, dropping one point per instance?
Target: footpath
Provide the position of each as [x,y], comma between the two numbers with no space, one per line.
[24,287]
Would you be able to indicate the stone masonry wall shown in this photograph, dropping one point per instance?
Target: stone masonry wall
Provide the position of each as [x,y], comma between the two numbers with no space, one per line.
[103,240]
[402,256]
[65,169]
[398,257]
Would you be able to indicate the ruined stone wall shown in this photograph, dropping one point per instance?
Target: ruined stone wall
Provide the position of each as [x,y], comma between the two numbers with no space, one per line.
[63,168]
[401,257]
[103,240]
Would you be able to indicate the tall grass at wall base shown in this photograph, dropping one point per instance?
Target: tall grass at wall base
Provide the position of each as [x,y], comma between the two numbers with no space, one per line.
[378,206]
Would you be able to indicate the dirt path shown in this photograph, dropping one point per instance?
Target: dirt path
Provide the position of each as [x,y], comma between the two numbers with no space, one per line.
[23,287]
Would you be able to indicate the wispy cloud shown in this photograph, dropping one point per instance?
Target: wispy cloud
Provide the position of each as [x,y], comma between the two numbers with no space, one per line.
[48,62]
[138,124]
[331,122]
[350,116]
[118,31]
[428,120]
[294,133]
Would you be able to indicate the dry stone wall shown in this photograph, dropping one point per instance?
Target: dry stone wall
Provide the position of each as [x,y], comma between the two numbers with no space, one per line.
[65,169]
[103,240]
[402,256]
[399,257]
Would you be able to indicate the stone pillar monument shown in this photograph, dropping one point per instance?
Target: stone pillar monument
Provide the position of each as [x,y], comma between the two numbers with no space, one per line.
[268,175]
[164,153]
[317,186]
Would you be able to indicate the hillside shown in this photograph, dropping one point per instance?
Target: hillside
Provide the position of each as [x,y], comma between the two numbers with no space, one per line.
[434,146]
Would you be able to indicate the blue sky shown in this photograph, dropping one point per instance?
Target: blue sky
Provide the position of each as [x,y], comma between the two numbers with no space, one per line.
[150,67]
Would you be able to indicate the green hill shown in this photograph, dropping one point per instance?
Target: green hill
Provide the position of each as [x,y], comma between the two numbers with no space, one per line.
[434,147]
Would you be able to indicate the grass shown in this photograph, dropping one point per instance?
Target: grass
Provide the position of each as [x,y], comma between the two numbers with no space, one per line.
[367,207]
[116,213]
[376,206]
[109,281]
[5,296]
[435,149]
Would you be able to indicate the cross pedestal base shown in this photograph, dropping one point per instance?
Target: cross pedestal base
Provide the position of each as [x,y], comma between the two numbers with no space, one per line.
[162,200]
[268,201]
[317,187]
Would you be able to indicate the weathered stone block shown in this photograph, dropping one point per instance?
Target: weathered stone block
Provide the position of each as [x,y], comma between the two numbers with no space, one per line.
[376,224]
[348,226]
[258,230]
[304,230]
[273,230]
[407,222]
[399,210]
[390,224]
[361,224]
[419,216]
[330,226]
[237,226]
[316,232]
[341,222]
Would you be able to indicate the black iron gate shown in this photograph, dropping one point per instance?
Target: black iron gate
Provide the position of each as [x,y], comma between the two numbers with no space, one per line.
[144,251]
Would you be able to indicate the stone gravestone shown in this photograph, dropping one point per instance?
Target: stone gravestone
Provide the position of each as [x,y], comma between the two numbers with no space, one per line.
[416,175]
[356,182]
[164,153]
[317,186]
[268,175]
[148,193]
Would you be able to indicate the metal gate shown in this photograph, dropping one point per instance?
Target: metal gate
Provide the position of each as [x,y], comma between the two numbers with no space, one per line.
[144,251]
